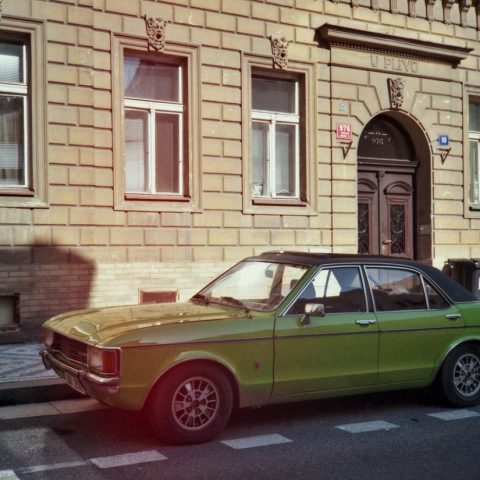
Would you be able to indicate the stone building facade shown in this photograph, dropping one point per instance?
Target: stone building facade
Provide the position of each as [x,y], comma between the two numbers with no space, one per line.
[146,145]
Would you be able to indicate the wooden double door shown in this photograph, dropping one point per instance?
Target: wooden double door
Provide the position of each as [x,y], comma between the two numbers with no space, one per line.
[387,168]
[385,212]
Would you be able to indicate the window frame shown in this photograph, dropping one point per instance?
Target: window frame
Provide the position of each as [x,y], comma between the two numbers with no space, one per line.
[189,197]
[317,271]
[304,74]
[34,192]
[423,280]
[21,90]
[272,118]
[152,108]
[472,135]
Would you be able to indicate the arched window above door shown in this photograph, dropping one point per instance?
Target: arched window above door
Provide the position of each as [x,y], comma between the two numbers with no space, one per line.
[384,138]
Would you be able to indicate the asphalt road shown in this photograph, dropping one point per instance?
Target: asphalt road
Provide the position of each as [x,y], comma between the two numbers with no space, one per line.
[406,435]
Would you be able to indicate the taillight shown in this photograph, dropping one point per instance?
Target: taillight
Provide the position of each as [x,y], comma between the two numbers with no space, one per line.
[48,337]
[104,360]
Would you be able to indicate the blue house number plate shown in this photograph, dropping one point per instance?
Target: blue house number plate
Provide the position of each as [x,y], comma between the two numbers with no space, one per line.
[443,141]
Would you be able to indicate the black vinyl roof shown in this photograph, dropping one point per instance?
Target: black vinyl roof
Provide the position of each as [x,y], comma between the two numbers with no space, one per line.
[452,288]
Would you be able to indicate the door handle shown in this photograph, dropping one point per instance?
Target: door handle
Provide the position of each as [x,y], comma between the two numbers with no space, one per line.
[453,316]
[365,322]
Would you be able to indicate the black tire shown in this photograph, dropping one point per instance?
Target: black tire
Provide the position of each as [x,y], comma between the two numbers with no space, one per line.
[459,378]
[192,404]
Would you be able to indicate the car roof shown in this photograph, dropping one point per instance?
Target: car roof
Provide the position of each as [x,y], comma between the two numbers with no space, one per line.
[452,288]
[306,258]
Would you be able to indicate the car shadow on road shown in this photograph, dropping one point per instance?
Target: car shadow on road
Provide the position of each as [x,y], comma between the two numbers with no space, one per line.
[355,408]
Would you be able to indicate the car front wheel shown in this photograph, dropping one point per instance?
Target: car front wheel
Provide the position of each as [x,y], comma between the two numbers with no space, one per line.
[460,376]
[192,404]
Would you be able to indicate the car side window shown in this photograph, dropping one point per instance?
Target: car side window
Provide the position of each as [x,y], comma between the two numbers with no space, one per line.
[396,289]
[435,300]
[339,289]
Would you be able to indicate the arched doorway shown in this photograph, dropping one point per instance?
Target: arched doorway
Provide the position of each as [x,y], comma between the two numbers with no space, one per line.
[393,173]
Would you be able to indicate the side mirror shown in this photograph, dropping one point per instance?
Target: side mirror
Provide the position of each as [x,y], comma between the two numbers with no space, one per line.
[317,309]
[269,271]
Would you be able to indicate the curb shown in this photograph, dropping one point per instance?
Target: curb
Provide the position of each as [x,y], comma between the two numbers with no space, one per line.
[35,391]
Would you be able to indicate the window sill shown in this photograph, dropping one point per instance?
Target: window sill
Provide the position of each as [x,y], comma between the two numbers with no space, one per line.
[16,192]
[156,203]
[145,197]
[282,202]
[278,206]
[21,198]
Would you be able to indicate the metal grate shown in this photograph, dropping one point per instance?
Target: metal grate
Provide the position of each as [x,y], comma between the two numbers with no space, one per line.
[72,349]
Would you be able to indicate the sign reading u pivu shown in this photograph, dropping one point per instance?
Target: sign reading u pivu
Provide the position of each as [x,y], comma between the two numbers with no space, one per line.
[344,131]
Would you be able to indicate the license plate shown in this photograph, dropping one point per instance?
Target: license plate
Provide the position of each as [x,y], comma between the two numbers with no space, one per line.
[74,383]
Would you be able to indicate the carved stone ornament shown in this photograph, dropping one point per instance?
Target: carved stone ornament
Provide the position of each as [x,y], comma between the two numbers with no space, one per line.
[430,5]
[156,33]
[396,86]
[464,8]
[412,8]
[280,51]
[447,9]
[1,8]
[375,6]
[394,6]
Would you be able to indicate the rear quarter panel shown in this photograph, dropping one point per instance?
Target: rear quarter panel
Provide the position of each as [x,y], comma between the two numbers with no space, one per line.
[471,333]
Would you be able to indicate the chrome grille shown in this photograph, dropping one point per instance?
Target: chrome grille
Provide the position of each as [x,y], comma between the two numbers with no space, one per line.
[72,349]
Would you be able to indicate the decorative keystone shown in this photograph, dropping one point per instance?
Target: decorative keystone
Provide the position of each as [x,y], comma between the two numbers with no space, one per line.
[156,33]
[396,86]
[280,51]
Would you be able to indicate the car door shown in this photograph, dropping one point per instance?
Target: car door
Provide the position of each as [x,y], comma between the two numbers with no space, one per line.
[337,350]
[415,321]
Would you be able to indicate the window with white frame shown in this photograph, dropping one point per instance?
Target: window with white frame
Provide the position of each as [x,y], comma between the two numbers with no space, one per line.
[474,150]
[154,109]
[14,114]
[275,151]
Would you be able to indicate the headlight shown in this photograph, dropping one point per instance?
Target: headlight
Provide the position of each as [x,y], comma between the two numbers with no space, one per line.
[104,360]
[48,337]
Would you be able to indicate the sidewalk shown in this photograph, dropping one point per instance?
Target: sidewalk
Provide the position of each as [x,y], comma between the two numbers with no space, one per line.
[24,379]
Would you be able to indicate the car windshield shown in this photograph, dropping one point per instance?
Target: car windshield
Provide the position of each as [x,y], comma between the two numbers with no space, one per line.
[253,285]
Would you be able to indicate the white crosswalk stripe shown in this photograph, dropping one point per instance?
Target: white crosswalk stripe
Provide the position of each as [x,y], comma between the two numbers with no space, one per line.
[128,459]
[52,466]
[367,426]
[455,414]
[8,475]
[257,441]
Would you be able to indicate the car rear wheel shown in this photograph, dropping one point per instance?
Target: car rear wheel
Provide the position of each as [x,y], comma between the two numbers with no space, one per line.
[460,376]
[192,404]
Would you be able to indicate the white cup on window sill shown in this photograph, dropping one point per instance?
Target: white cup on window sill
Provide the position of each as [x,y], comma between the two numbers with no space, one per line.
[257,189]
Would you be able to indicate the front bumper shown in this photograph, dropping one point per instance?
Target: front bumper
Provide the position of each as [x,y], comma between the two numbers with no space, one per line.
[83,381]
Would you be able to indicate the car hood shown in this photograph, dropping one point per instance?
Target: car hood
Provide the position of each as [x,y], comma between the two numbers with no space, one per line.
[99,325]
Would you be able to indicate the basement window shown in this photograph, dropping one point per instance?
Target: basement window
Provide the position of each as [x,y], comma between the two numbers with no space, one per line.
[9,312]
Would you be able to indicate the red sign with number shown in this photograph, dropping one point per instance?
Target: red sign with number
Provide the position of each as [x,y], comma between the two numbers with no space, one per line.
[344,131]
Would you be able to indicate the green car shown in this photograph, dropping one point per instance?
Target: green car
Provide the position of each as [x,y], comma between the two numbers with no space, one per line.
[279,327]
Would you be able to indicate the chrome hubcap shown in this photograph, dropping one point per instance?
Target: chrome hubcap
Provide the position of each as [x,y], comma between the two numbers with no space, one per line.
[466,375]
[195,403]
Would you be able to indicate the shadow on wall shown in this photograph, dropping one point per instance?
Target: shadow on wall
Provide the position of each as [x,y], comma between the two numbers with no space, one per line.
[38,282]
